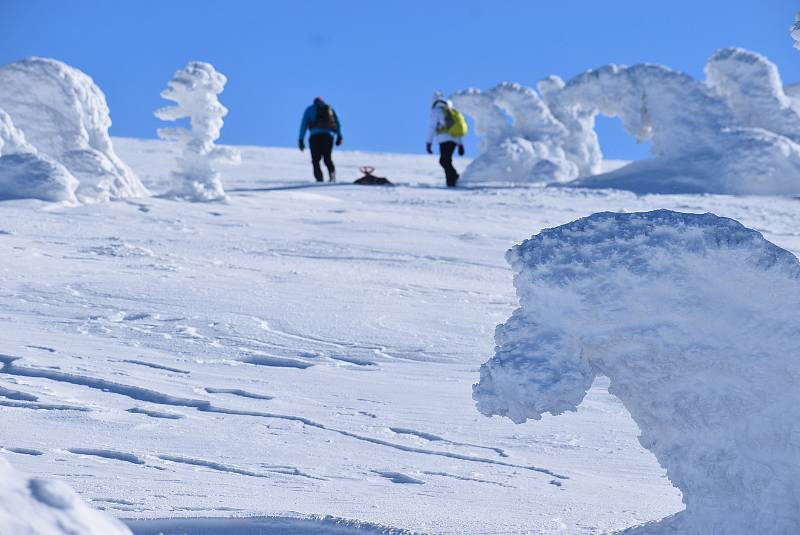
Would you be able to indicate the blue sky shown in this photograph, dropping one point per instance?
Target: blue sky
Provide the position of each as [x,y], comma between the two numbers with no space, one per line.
[377,62]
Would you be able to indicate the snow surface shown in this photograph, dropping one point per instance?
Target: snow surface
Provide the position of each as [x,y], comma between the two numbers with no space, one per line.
[695,321]
[44,507]
[282,353]
[64,115]
[734,133]
[194,90]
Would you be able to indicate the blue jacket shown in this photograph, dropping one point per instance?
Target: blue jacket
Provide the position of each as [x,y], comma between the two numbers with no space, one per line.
[308,117]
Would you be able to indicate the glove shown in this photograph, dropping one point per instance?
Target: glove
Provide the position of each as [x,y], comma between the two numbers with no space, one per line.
[429,148]
[339,141]
[461,150]
[301,145]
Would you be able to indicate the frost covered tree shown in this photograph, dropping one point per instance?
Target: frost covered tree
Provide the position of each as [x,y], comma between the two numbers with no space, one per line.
[195,90]
[521,140]
[694,319]
[64,116]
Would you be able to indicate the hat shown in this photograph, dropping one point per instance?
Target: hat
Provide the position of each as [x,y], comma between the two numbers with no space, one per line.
[318,100]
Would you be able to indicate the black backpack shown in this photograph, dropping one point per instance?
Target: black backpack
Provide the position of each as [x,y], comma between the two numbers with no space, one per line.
[324,118]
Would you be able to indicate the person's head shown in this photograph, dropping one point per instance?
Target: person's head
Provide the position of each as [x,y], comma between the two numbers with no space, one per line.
[438,99]
[318,101]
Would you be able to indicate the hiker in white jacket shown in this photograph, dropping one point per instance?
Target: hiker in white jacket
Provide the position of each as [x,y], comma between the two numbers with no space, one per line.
[447,143]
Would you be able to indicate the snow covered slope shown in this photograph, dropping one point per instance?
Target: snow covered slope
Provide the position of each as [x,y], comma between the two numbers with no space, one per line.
[308,350]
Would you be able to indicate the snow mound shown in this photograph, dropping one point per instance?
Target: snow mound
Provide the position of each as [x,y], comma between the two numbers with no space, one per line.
[24,174]
[195,91]
[64,115]
[521,140]
[39,507]
[695,319]
[736,133]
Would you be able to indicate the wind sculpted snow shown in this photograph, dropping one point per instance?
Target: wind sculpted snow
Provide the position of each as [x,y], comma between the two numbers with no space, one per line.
[695,320]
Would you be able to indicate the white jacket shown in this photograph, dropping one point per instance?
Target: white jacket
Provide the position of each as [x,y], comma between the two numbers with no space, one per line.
[438,121]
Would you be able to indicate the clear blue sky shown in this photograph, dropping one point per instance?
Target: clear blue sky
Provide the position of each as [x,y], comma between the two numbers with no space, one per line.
[377,62]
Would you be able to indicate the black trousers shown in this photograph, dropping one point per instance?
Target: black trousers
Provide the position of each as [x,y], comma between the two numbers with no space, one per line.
[446,151]
[321,146]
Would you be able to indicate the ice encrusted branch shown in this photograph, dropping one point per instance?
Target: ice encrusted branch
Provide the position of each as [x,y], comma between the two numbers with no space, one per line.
[694,319]
[195,90]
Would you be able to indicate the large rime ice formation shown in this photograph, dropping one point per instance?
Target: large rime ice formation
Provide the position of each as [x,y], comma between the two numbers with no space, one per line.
[194,89]
[794,30]
[25,174]
[737,132]
[695,319]
[40,507]
[64,115]
[521,140]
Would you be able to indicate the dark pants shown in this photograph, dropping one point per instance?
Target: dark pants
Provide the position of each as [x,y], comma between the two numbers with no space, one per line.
[321,146]
[446,151]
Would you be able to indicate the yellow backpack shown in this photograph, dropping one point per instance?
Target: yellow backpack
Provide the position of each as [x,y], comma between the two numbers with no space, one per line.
[454,123]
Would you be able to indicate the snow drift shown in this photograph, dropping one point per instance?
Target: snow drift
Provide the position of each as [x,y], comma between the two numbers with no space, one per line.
[195,91]
[695,319]
[737,132]
[25,174]
[40,507]
[64,115]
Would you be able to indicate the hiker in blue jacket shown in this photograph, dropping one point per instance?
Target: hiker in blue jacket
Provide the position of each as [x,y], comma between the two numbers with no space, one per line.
[323,124]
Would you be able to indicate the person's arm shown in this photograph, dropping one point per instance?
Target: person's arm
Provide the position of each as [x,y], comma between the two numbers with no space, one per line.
[339,137]
[433,125]
[303,126]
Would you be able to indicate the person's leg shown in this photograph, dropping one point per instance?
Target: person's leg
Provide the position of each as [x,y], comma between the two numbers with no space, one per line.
[316,146]
[327,155]
[446,151]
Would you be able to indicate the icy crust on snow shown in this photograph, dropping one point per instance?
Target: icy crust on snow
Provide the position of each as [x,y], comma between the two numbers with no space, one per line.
[195,90]
[695,319]
[64,115]
[735,133]
[41,507]
[25,174]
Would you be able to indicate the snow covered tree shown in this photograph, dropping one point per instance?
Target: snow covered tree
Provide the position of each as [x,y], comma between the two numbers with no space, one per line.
[694,320]
[795,30]
[195,91]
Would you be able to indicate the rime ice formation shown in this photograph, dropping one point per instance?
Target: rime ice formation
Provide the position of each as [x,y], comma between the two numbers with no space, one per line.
[695,319]
[794,30]
[735,133]
[25,174]
[521,140]
[64,115]
[194,89]
[40,507]
[751,86]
